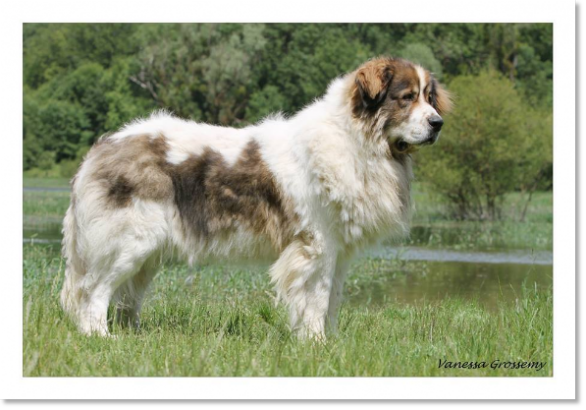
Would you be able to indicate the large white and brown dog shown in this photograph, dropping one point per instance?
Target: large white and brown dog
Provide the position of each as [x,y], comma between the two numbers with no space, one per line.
[306,192]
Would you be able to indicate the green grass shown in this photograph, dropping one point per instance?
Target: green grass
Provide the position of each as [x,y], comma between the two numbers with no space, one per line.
[221,321]
[38,182]
[46,204]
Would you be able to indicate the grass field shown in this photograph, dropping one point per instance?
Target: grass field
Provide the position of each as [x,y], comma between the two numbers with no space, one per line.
[46,182]
[222,321]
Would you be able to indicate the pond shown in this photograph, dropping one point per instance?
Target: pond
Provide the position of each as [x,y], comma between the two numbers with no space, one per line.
[487,283]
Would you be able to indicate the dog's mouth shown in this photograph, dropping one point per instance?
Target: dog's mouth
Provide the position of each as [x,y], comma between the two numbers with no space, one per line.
[403,147]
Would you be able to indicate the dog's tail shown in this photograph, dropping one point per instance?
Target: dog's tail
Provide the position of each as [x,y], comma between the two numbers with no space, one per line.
[71,293]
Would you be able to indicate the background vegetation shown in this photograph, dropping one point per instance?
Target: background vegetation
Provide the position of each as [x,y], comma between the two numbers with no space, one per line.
[84,80]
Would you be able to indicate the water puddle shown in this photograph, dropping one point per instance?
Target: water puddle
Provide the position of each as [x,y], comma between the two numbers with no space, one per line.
[48,233]
[440,255]
[487,283]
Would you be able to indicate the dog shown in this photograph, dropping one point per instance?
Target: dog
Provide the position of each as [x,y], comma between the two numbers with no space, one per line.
[307,192]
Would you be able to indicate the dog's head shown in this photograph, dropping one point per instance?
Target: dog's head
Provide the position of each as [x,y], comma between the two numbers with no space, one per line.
[399,101]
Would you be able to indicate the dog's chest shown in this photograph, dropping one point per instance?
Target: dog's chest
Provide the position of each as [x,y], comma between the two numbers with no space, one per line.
[376,204]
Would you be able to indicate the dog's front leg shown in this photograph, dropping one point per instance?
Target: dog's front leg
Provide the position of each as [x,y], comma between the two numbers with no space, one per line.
[303,277]
[309,312]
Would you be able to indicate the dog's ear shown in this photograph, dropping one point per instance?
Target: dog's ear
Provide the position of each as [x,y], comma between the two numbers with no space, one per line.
[441,99]
[372,82]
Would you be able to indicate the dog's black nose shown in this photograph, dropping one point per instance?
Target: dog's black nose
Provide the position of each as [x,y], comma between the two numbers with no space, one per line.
[436,122]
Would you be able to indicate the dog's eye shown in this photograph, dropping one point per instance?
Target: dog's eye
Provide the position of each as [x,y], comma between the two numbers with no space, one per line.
[409,97]
[431,97]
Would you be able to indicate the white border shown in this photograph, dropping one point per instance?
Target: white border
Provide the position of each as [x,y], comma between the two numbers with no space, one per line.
[560,12]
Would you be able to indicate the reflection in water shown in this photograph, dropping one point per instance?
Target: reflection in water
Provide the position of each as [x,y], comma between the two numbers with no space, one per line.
[489,284]
[527,257]
[49,233]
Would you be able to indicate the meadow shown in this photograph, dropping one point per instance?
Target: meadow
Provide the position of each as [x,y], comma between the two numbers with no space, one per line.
[222,321]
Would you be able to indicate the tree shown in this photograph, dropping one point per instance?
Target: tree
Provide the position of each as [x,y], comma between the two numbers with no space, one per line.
[202,71]
[227,72]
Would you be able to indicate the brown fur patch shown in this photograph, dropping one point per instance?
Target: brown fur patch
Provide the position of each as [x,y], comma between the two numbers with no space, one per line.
[397,108]
[371,82]
[120,191]
[213,197]
[132,167]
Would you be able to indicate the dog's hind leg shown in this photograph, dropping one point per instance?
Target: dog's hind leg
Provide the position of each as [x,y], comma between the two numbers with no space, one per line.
[117,253]
[129,296]
[336,294]
[100,285]
[75,269]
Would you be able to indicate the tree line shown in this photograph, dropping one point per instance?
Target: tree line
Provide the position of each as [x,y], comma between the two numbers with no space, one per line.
[84,80]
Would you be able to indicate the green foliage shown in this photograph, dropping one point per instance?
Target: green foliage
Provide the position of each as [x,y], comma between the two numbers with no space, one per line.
[315,55]
[52,50]
[84,80]
[264,101]
[537,76]
[496,143]
[58,126]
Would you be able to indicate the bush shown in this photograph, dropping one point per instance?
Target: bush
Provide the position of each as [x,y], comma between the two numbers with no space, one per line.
[68,168]
[493,143]
[59,127]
